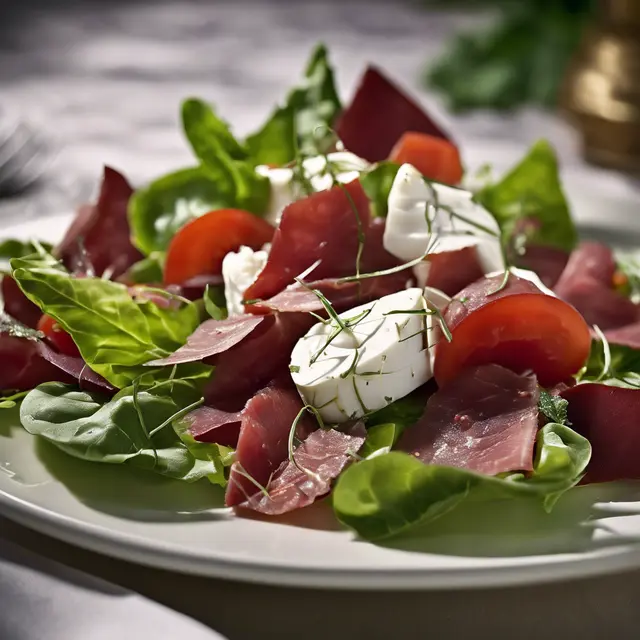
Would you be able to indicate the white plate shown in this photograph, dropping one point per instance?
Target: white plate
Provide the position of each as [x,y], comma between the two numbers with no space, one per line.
[163,523]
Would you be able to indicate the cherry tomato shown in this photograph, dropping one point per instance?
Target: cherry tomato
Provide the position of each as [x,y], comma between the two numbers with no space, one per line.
[200,246]
[519,328]
[435,158]
[57,336]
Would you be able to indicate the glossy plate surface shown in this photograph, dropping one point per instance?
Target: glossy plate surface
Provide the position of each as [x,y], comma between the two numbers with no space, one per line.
[163,523]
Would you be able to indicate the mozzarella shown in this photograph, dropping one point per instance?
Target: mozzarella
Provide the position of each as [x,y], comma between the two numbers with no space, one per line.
[407,235]
[285,190]
[381,359]
[239,272]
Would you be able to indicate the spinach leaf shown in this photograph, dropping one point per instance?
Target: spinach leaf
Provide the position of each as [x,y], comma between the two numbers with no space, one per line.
[553,407]
[530,199]
[117,431]
[164,206]
[388,494]
[224,157]
[614,364]
[149,270]
[115,334]
[19,249]
[381,438]
[377,184]
[404,411]
[303,122]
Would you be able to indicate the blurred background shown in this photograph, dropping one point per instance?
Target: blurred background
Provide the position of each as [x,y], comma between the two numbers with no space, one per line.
[89,82]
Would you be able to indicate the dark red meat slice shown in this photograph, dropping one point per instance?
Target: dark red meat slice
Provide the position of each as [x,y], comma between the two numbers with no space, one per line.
[322,227]
[23,366]
[212,337]
[255,361]
[324,454]
[485,420]
[587,284]
[17,305]
[628,336]
[342,296]
[103,229]
[80,372]
[211,424]
[609,417]
[263,442]
[378,116]
[451,271]
[547,262]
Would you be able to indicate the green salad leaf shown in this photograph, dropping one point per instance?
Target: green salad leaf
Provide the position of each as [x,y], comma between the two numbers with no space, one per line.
[148,270]
[214,302]
[389,494]
[529,199]
[303,123]
[13,248]
[115,334]
[119,431]
[224,157]
[553,407]
[613,364]
[377,184]
[157,211]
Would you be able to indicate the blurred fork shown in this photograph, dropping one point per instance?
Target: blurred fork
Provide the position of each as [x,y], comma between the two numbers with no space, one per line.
[23,157]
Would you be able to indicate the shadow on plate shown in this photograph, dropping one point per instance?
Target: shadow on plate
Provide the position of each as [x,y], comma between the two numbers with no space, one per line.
[128,493]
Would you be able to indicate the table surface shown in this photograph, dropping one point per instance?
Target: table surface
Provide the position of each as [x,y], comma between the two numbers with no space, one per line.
[104,80]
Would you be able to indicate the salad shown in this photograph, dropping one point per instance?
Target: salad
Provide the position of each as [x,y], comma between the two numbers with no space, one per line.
[331,306]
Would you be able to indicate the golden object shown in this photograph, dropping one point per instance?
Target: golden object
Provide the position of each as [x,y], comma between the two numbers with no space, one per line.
[601,92]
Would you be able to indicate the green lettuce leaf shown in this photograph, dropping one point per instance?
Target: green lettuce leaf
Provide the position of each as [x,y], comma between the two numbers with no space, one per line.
[388,494]
[629,265]
[613,364]
[530,200]
[12,248]
[303,123]
[157,211]
[115,334]
[149,270]
[224,157]
[118,431]
[377,184]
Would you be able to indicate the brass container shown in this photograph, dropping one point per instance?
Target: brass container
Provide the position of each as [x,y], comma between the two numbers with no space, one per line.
[601,91]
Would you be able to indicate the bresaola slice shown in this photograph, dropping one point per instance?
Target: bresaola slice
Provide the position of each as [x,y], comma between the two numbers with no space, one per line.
[485,421]
[321,458]
[450,271]
[587,284]
[323,229]
[548,262]
[378,116]
[253,362]
[213,424]
[342,296]
[515,325]
[103,230]
[264,435]
[210,338]
[17,305]
[628,336]
[609,417]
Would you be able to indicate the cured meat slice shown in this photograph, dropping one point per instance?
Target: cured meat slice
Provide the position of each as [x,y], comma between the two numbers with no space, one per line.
[378,116]
[320,459]
[17,305]
[103,230]
[485,420]
[609,417]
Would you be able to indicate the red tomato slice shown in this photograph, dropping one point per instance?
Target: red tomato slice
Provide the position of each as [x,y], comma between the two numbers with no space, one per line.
[200,246]
[433,157]
[519,328]
[57,336]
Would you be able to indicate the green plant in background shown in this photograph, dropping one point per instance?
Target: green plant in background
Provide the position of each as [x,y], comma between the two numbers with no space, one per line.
[520,59]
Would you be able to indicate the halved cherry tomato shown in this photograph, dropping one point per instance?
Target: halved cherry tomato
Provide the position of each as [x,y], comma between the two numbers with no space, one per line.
[57,336]
[519,328]
[435,158]
[200,246]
